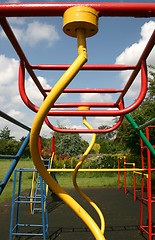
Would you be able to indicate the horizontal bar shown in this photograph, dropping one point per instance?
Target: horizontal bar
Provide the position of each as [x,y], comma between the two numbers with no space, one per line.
[57,9]
[98,170]
[88,90]
[93,67]
[79,104]
[11,119]
[146,124]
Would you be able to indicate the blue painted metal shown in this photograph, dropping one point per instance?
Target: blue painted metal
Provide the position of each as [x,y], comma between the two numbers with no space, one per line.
[14,230]
[14,163]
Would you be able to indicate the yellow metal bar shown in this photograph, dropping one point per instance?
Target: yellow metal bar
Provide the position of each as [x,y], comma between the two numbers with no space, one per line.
[35,131]
[51,160]
[33,185]
[75,175]
[129,163]
[141,174]
[97,170]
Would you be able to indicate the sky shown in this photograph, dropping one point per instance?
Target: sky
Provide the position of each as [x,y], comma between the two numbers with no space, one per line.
[118,41]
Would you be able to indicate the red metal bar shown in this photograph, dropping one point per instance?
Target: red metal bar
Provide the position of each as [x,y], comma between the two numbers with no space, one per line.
[149,189]
[88,90]
[55,112]
[118,175]
[84,130]
[93,67]
[53,145]
[20,53]
[57,9]
[143,57]
[39,144]
[125,175]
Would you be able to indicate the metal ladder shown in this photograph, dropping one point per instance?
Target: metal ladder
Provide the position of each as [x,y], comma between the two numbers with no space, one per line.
[17,228]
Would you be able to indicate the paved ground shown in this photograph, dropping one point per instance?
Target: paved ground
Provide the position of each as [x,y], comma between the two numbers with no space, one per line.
[121,214]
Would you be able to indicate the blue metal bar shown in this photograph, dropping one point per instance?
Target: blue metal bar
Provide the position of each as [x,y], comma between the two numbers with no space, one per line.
[14,163]
[19,198]
[13,202]
[42,206]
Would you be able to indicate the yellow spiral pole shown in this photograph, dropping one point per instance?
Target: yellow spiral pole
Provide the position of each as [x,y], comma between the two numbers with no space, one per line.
[76,171]
[36,128]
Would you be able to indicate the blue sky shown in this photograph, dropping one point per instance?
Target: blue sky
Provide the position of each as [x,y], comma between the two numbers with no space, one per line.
[119,40]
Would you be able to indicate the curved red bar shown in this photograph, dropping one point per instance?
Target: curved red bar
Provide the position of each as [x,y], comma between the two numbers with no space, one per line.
[83,112]
[87,130]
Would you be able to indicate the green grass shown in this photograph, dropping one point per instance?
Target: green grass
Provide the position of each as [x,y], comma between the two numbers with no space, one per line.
[26,179]
[65,179]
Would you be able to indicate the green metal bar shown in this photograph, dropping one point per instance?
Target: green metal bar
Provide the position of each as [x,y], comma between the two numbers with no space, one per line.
[141,134]
[147,124]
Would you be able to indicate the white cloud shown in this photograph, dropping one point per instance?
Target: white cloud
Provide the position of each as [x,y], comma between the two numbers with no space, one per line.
[33,32]
[95,97]
[131,55]
[98,121]
[37,31]
[32,91]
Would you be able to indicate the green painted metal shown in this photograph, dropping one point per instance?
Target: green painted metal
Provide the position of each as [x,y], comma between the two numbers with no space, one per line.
[141,134]
[147,123]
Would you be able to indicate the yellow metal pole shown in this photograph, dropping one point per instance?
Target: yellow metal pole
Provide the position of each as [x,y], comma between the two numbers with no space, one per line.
[75,175]
[35,131]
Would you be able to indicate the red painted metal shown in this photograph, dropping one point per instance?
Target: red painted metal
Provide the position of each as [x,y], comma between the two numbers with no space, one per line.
[93,67]
[57,9]
[53,145]
[88,90]
[110,129]
[7,29]
[118,175]
[125,187]
[149,199]
[55,112]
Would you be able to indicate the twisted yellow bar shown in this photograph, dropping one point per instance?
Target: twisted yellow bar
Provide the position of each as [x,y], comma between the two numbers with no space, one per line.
[75,175]
[35,131]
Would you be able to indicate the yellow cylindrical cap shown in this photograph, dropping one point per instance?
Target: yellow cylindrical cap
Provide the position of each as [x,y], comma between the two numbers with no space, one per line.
[80,17]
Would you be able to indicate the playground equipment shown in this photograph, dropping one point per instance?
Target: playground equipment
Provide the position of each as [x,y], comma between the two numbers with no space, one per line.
[17,229]
[80,20]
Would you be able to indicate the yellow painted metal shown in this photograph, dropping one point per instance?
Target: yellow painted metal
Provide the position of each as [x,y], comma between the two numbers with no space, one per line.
[33,186]
[77,168]
[51,160]
[98,170]
[80,17]
[35,131]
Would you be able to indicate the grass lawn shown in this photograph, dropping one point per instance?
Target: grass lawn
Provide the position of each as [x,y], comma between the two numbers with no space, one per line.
[64,179]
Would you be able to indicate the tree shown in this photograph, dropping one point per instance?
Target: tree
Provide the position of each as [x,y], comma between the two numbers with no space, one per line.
[5,134]
[68,143]
[145,112]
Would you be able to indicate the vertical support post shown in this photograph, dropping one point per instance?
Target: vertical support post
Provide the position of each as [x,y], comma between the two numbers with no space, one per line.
[39,143]
[53,145]
[125,175]
[13,202]
[134,183]
[42,206]
[18,205]
[149,188]
[118,175]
